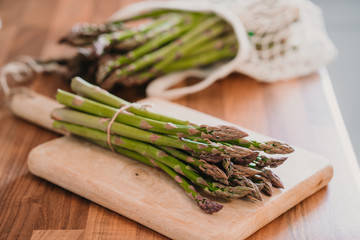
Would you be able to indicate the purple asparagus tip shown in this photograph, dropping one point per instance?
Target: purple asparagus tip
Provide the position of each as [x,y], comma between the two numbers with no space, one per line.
[209,206]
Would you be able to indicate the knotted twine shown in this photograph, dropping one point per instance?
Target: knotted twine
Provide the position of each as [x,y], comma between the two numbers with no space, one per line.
[122,110]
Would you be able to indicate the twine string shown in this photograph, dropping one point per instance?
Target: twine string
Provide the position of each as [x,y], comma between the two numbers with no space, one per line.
[122,110]
[23,71]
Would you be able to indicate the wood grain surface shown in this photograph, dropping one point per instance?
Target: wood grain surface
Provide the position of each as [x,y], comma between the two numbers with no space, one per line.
[300,111]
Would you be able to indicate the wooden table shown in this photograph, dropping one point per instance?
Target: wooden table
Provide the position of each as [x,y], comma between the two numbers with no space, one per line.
[302,112]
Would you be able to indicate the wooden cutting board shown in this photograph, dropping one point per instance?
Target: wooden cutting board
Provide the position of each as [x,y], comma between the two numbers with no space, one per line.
[151,198]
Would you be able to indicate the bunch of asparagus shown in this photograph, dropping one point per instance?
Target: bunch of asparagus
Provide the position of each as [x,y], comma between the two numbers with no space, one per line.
[202,159]
[133,51]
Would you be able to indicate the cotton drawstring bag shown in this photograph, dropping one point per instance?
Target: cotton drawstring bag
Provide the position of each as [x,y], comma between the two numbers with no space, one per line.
[278,39]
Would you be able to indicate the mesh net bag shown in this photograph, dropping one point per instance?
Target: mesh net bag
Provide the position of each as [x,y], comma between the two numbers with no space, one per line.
[278,39]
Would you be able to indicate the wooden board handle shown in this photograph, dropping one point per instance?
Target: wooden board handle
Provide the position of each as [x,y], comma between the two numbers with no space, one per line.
[34,107]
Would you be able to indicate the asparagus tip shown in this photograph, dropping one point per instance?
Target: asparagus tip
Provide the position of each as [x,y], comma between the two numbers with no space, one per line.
[223,133]
[237,153]
[214,171]
[209,206]
[276,147]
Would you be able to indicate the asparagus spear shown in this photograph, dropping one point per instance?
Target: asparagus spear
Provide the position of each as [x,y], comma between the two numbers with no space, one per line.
[213,188]
[142,135]
[265,161]
[239,180]
[259,161]
[245,171]
[191,43]
[188,47]
[267,188]
[220,132]
[194,30]
[270,147]
[109,40]
[272,177]
[228,166]
[88,89]
[158,27]
[188,20]
[216,44]
[84,88]
[93,92]
[71,116]
[190,37]
[201,59]
[92,107]
[205,204]
[85,33]
[209,169]
[139,39]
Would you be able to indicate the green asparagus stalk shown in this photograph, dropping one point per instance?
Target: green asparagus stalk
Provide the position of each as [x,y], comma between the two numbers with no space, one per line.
[168,31]
[95,108]
[150,57]
[205,204]
[209,169]
[272,177]
[125,152]
[213,188]
[216,44]
[190,59]
[142,135]
[270,147]
[84,88]
[220,132]
[267,188]
[228,166]
[190,43]
[87,120]
[92,107]
[259,161]
[184,34]
[194,30]
[245,171]
[237,176]
[108,40]
[239,180]
[265,161]
[201,59]
[85,33]
[139,39]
